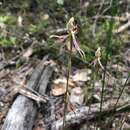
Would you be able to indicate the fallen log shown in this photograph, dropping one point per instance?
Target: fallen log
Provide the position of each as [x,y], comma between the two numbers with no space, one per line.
[22,114]
[86,113]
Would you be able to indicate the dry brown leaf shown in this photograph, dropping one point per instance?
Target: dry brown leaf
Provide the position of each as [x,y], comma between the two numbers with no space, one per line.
[39,123]
[28,53]
[58,89]
[38,128]
[20,21]
[45,17]
[76,96]
[63,80]
[59,86]
[81,75]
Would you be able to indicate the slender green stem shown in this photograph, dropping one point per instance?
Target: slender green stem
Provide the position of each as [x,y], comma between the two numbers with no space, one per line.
[108,50]
[105,66]
[122,90]
[124,86]
[67,84]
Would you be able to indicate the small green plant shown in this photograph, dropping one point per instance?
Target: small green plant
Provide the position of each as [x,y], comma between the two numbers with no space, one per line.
[7,41]
[5,19]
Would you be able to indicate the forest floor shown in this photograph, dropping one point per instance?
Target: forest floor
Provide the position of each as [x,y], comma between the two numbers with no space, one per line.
[86,81]
[83,90]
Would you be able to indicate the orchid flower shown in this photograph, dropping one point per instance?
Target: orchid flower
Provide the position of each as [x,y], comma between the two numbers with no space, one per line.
[98,58]
[72,29]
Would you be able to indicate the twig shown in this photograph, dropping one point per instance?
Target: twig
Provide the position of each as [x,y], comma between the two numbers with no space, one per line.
[107,3]
[105,10]
[117,18]
[58,31]
[38,98]
[122,28]
[95,22]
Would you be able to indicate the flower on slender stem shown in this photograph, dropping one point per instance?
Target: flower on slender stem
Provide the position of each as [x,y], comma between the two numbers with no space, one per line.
[98,58]
[72,30]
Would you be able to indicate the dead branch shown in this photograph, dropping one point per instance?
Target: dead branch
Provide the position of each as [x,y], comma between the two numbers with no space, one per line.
[86,113]
[23,111]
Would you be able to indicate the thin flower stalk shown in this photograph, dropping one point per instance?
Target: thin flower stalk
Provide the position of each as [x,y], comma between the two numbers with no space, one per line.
[72,45]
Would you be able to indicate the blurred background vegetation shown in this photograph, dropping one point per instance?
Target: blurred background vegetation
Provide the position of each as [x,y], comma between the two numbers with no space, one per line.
[28,21]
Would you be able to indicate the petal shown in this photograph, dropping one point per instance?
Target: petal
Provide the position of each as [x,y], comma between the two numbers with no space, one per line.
[59,39]
[81,52]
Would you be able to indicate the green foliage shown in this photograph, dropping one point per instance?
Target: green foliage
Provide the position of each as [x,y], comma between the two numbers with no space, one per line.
[38,27]
[34,23]
[6,21]
[89,43]
[7,42]
[60,2]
